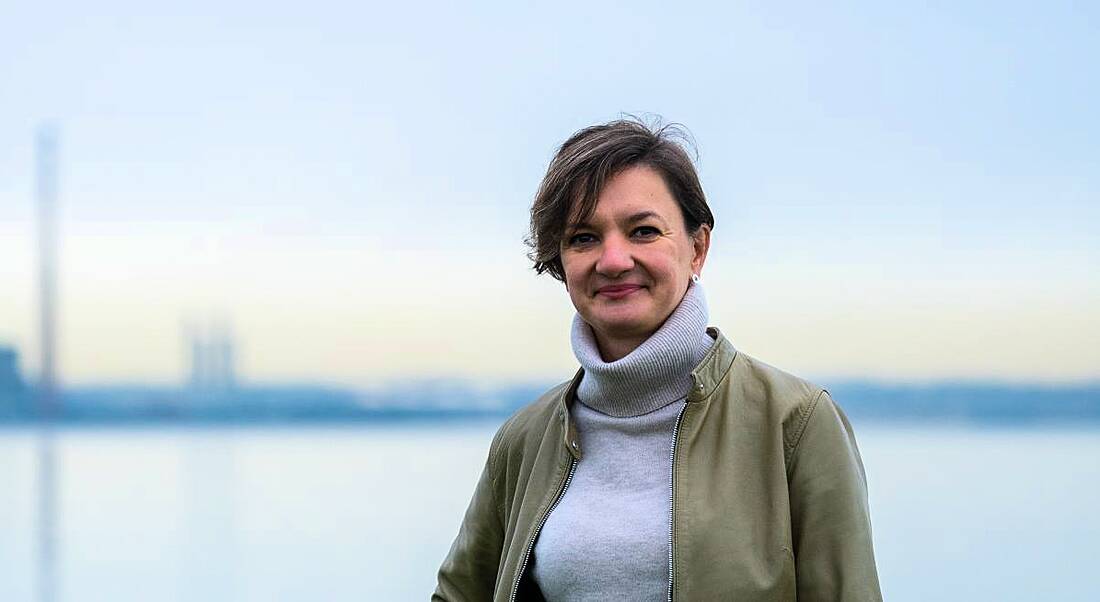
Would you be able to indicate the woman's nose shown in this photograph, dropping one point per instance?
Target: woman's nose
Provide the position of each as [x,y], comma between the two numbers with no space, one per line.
[615,257]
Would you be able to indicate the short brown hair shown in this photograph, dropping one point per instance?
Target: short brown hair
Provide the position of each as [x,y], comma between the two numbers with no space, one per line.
[594,155]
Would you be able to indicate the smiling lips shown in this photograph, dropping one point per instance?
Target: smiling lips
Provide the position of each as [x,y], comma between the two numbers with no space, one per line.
[618,291]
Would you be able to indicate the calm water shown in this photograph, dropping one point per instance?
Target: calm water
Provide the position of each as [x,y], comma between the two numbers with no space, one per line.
[367,513]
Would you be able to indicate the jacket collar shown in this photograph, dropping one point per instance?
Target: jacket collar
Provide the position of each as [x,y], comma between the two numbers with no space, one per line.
[705,378]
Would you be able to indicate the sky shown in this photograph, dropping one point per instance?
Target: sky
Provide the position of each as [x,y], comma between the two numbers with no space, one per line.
[901,192]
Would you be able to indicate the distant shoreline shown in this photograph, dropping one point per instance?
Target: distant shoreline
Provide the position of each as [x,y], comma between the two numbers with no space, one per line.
[450,402]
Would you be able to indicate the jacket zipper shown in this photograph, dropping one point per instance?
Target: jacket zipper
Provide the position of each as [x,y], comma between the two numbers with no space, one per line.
[535,535]
[672,493]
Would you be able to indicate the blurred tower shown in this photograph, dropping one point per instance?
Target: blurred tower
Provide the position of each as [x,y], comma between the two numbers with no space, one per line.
[212,373]
[46,188]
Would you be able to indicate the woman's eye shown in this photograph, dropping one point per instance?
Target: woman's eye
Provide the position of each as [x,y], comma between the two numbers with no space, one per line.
[646,231]
[581,239]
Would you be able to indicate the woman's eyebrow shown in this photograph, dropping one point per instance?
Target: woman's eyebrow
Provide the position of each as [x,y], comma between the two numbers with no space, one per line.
[574,226]
[642,216]
[631,219]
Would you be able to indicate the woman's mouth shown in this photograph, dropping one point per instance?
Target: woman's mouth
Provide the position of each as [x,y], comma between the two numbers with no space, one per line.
[618,291]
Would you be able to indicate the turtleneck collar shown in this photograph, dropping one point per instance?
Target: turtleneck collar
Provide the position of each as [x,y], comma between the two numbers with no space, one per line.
[652,376]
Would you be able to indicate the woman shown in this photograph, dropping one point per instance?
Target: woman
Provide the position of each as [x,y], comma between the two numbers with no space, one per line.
[672,466]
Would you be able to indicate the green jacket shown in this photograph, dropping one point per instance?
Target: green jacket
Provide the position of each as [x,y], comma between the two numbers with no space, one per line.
[769,496]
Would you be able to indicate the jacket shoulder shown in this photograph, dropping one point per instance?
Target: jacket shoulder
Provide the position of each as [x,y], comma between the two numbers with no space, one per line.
[789,399]
[528,425]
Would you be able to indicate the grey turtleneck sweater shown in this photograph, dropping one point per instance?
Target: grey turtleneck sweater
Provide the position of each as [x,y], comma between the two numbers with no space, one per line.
[608,537]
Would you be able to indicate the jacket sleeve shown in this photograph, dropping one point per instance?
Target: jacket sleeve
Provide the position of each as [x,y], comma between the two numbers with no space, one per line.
[470,570]
[830,517]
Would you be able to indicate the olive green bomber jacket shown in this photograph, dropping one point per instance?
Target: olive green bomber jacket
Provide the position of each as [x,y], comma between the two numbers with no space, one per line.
[769,496]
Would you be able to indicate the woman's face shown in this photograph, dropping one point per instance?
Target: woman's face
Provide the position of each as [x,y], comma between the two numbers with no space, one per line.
[629,265]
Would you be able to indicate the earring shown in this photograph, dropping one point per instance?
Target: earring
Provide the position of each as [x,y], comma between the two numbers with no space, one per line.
[695,278]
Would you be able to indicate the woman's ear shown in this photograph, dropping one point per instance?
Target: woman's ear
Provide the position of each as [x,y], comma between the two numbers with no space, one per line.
[700,241]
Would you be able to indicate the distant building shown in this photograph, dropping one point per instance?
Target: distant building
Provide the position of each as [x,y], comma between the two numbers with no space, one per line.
[212,373]
[13,391]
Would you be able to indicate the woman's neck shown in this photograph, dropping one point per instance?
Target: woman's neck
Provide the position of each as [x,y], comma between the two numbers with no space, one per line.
[614,349]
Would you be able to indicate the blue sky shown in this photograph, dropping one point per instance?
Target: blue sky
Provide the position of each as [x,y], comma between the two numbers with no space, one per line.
[901,192]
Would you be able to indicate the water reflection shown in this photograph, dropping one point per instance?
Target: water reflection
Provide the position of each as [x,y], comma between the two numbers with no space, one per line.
[367,513]
[209,516]
[47,540]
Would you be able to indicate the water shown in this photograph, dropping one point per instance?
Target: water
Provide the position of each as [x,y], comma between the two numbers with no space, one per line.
[367,513]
